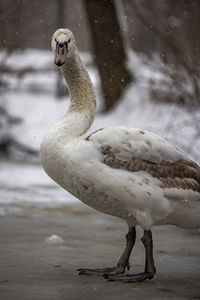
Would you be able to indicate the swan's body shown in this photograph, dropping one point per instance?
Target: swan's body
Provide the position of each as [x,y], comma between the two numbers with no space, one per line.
[125,172]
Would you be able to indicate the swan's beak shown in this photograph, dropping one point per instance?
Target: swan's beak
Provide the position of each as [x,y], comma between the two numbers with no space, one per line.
[61,54]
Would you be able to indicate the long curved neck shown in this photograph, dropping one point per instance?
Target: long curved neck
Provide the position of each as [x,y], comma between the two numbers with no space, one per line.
[75,123]
[82,96]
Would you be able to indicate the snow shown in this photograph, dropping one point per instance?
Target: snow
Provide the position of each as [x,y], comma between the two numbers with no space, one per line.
[30,58]
[54,239]
[32,97]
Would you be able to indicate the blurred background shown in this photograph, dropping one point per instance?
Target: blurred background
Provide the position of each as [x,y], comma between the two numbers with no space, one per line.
[143,57]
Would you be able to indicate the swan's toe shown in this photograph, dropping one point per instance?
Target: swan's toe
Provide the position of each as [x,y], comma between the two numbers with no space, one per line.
[130,278]
[102,271]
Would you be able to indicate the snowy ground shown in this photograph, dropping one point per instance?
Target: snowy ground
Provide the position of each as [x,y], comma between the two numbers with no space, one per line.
[35,265]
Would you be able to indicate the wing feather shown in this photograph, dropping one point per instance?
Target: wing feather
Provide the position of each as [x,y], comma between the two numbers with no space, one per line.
[135,150]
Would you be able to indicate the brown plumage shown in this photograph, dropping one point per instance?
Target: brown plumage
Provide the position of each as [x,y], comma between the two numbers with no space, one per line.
[181,174]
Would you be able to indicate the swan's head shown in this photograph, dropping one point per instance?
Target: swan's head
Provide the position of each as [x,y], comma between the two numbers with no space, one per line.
[63,45]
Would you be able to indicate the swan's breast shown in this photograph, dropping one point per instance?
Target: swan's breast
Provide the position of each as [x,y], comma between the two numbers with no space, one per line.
[51,156]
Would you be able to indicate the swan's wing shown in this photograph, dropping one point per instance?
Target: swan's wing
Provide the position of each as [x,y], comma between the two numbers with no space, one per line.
[135,150]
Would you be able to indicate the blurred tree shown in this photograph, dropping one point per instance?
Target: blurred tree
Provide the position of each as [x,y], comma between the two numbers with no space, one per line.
[108,49]
[169,29]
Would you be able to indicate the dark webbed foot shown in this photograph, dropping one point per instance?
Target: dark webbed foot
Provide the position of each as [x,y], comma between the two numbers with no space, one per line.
[104,271]
[123,262]
[149,265]
[130,278]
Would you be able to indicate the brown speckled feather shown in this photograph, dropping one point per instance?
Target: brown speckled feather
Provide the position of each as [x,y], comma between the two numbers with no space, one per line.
[181,174]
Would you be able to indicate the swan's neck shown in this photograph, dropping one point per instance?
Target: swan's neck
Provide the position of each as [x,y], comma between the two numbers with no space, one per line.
[82,97]
[82,107]
[75,123]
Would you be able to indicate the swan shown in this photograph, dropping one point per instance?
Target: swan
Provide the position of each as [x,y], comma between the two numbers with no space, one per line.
[128,173]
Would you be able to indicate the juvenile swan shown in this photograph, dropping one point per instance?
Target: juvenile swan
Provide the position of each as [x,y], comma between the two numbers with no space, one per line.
[125,172]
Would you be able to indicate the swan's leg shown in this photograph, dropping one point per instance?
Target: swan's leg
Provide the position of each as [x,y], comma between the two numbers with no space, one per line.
[149,271]
[123,262]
